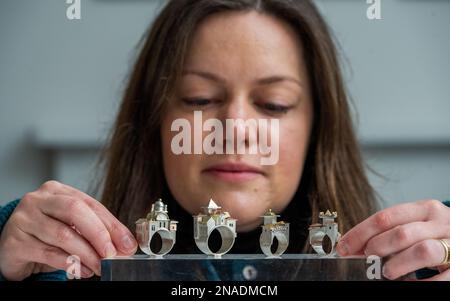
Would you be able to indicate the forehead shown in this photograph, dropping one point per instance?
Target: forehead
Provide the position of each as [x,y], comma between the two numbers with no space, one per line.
[245,43]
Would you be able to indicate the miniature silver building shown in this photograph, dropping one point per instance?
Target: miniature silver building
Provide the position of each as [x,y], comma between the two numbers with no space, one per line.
[157,221]
[328,227]
[272,229]
[213,218]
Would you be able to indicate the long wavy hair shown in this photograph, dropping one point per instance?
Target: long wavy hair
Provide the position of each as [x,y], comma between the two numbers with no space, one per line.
[334,172]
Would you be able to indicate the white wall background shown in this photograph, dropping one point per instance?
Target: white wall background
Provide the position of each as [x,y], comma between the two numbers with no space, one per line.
[61,82]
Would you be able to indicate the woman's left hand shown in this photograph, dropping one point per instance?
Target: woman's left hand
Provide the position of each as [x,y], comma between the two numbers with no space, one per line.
[408,234]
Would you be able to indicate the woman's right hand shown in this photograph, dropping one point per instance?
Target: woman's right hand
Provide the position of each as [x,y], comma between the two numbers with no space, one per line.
[55,222]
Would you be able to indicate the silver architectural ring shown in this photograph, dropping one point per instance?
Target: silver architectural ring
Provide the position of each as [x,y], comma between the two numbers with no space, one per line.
[156,222]
[213,218]
[318,232]
[272,229]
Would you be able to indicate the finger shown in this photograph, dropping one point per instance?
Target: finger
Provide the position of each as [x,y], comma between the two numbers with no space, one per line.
[51,187]
[55,233]
[121,236]
[427,253]
[84,272]
[73,211]
[355,240]
[443,267]
[43,268]
[51,256]
[404,236]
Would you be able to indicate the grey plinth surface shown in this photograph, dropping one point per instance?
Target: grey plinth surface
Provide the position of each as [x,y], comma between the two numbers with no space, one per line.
[233,267]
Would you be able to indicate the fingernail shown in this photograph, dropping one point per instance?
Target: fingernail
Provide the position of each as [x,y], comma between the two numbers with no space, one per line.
[128,242]
[342,248]
[86,273]
[110,251]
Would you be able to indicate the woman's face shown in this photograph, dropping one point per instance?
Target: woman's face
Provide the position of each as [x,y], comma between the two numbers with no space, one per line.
[245,66]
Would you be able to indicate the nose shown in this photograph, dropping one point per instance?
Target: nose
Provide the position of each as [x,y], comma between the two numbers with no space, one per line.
[237,107]
[241,126]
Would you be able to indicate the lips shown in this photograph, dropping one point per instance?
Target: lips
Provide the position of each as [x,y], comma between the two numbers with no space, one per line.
[234,172]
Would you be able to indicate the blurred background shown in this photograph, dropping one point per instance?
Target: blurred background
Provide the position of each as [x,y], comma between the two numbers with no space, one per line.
[61,82]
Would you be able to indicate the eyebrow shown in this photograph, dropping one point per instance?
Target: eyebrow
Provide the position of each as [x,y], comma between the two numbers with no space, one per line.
[262,81]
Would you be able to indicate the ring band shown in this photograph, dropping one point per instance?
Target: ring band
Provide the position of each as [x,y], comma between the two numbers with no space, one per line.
[266,242]
[227,236]
[316,241]
[447,251]
[167,243]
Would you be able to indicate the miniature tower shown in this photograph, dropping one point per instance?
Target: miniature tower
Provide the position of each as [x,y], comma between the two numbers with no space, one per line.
[212,208]
[270,217]
[328,217]
[158,212]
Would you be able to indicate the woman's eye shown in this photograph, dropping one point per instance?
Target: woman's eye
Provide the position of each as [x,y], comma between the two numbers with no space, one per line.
[275,108]
[196,102]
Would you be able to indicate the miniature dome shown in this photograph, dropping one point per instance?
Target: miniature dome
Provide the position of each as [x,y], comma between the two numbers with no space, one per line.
[159,205]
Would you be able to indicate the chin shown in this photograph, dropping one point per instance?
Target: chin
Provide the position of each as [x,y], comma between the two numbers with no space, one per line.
[248,213]
[249,226]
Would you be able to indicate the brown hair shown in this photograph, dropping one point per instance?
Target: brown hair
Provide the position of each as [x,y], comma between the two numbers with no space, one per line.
[334,176]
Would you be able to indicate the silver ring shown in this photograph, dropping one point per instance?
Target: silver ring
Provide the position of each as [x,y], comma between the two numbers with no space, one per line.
[213,218]
[272,229]
[318,232]
[156,222]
